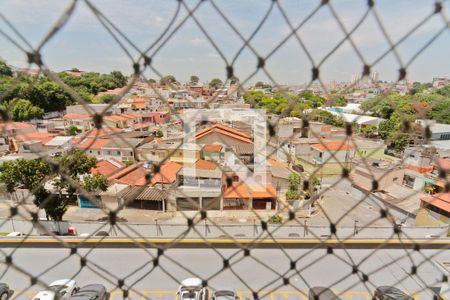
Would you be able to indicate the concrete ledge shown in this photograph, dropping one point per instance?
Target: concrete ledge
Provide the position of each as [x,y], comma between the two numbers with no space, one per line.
[109,242]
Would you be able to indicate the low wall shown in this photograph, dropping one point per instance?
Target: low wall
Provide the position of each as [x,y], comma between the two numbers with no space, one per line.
[209,230]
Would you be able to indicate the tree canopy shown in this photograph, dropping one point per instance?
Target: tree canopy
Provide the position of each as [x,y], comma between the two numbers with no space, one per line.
[5,70]
[66,179]
[49,96]
[194,79]
[216,83]
[168,79]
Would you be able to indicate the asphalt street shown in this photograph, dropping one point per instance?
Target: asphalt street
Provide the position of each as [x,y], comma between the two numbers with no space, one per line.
[261,271]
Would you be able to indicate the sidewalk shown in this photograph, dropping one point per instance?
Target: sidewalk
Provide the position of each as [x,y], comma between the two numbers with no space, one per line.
[337,206]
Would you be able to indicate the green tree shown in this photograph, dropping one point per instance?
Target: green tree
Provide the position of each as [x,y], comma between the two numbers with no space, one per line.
[119,78]
[387,127]
[73,130]
[27,174]
[194,79]
[24,110]
[49,96]
[95,183]
[33,174]
[259,84]
[326,117]
[292,195]
[341,101]
[311,98]
[168,79]
[106,98]
[369,131]
[262,85]
[216,83]
[159,133]
[294,181]
[5,70]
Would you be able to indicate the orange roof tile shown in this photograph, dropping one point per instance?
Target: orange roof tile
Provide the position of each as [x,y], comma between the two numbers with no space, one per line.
[418,169]
[440,200]
[167,173]
[444,164]
[244,191]
[42,137]
[233,133]
[239,191]
[140,100]
[333,146]
[276,163]
[131,175]
[267,191]
[14,125]
[77,116]
[115,118]
[139,105]
[106,167]
[131,115]
[100,132]
[93,143]
[205,165]
[136,174]
[212,148]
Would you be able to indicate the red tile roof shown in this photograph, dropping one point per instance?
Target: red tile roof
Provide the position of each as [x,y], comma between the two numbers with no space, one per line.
[42,137]
[418,169]
[444,164]
[139,105]
[243,191]
[167,173]
[333,146]
[276,163]
[221,129]
[115,118]
[212,148]
[440,200]
[14,125]
[93,143]
[140,100]
[205,165]
[136,174]
[100,132]
[77,116]
[106,167]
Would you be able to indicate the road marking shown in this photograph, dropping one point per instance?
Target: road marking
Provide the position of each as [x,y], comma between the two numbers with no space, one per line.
[226,241]
[136,294]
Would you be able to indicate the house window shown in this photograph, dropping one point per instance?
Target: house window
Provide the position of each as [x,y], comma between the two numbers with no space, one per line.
[118,152]
[108,152]
[320,154]
[235,178]
[98,152]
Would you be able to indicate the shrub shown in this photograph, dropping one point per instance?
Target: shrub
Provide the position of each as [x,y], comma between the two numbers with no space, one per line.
[277,219]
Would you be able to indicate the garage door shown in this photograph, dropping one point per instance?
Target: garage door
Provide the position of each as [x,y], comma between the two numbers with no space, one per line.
[211,203]
[185,204]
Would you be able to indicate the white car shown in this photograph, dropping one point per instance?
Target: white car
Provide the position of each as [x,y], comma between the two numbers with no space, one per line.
[192,289]
[225,294]
[64,288]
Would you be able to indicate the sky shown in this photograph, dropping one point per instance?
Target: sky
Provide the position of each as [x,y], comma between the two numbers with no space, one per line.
[189,49]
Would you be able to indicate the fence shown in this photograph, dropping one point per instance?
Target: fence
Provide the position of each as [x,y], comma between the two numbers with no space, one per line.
[283,150]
